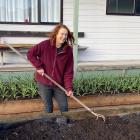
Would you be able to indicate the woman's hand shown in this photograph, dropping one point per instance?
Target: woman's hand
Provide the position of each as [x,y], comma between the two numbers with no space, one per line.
[69,93]
[40,71]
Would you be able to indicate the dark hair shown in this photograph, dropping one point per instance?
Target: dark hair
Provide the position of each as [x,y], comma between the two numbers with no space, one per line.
[52,35]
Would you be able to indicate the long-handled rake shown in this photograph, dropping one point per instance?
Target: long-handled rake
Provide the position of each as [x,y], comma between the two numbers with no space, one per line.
[53,81]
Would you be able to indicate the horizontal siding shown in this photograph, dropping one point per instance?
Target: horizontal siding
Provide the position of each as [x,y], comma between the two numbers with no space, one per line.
[111,41]
[15,58]
[113,35]
[24,40]
[108,37]
[68,13]
[17,27]
[110,30]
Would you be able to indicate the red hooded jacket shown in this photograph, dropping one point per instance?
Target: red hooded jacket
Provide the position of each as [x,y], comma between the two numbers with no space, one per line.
[59,66]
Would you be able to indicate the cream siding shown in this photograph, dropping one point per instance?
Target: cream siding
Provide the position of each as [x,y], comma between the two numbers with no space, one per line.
[108,37]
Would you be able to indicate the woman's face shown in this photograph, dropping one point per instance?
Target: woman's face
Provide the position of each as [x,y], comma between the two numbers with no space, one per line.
[61,36]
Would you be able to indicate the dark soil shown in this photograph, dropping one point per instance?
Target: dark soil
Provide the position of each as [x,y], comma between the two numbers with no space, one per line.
[121,127]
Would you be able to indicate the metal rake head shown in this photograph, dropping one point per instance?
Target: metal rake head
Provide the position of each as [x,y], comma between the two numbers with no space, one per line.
[100,116]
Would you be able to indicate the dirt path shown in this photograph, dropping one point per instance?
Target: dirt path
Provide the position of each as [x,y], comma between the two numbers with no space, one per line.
[120,127]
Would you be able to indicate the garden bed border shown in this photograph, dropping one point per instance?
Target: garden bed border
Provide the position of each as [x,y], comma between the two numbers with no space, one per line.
[36,105]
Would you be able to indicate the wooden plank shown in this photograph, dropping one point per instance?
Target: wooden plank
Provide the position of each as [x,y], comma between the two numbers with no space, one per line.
[2,46]
[5,33]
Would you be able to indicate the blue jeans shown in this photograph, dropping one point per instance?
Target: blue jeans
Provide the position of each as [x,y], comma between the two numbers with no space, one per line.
[48,92]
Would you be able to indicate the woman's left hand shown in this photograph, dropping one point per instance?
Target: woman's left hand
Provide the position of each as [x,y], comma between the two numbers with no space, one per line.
[69,93]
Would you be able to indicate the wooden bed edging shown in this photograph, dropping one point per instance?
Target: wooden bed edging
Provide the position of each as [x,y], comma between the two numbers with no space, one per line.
[35,105]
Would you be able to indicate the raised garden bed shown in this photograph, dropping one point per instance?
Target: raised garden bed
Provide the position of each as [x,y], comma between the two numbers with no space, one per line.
[122,127]
[106,92]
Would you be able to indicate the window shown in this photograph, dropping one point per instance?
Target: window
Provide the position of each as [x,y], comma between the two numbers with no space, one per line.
[31,11]
[137,7]
[123,7]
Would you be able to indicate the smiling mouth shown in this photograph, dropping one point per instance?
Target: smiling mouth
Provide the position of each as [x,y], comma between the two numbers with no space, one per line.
[63,40]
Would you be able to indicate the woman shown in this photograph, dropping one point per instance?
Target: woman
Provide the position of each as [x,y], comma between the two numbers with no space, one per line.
[55,58]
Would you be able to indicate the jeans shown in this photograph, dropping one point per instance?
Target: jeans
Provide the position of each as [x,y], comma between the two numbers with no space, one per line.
[48,92]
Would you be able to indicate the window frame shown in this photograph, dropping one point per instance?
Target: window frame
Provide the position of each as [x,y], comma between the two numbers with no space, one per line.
[137,14]
[126,14]
[39,17]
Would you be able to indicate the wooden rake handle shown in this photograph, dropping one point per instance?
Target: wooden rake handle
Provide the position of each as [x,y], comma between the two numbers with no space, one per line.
[53,81]
[73,97]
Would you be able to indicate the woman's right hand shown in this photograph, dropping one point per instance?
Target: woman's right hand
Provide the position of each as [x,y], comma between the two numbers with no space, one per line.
[40,72]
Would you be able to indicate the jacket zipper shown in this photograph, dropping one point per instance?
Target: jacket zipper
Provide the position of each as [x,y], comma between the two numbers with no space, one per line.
[54,63]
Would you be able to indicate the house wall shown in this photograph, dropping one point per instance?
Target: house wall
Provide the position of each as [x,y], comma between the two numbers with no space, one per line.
[108,37]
